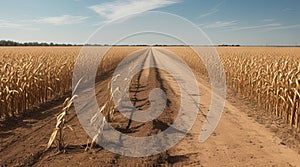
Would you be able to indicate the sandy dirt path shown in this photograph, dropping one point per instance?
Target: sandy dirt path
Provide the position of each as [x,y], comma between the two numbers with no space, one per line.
[237,141]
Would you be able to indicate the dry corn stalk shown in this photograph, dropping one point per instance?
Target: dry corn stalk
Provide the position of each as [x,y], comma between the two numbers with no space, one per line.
[61,124]
[97,122]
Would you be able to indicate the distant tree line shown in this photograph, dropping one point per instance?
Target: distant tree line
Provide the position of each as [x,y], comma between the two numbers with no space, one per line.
[224,45]
[13,43]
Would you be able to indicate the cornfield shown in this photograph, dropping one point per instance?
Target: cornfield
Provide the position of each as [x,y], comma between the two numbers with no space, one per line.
[32,76]
[268,77]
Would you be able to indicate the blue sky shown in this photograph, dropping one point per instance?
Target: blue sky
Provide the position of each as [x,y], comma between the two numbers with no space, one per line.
[251,22]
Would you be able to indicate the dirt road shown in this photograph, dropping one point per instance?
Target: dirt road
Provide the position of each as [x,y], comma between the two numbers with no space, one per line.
[237,141]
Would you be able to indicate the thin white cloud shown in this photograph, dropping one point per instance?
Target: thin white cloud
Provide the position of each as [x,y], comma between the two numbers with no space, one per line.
[220,24]
[8,24]
[117,9]
[283,27]
[61,20]
[260,27]
[268,20]
[287,9]
[212,11]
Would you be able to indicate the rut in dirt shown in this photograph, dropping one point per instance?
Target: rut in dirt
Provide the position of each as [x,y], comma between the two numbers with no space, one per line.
[139,90]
